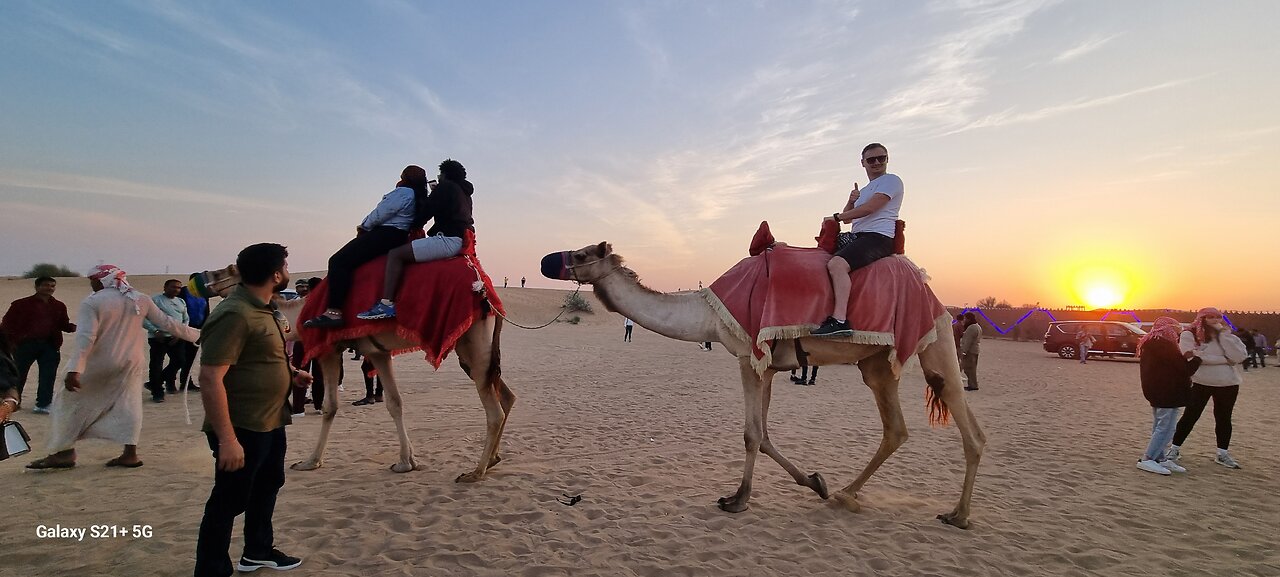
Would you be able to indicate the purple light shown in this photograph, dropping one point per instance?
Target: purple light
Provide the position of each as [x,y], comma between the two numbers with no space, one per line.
[1131,314]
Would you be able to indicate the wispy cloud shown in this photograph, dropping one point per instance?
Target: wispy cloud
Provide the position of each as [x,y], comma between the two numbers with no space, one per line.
[100,186]
[1010,117]
[1083,48]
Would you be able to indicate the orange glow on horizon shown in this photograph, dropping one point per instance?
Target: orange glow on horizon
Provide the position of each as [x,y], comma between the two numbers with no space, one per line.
[1100,286]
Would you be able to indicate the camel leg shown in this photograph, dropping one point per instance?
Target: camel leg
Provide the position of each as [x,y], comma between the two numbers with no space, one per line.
[753,434]
[474,351]
[813,481]
[941,359]
[329,367]
[395,405]
[878,375]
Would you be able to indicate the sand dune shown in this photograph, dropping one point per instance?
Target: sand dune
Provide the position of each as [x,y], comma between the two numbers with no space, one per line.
[649,434]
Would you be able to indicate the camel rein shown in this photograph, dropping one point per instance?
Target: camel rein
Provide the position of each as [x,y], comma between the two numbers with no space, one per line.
[562,309]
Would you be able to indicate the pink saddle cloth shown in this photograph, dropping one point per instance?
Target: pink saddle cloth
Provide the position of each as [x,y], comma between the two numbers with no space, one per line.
[435,306]
[785,292]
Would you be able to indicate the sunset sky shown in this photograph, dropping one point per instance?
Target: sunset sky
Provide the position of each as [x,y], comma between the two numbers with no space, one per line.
[1061,153]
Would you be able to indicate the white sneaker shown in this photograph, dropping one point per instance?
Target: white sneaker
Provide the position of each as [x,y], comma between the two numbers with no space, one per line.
[1173,454]
[1172,466]
[1152,467]
[1225,460]
[299,415]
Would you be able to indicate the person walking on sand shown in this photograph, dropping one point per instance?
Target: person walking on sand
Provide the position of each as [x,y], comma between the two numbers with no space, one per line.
[522,282]
[970,345]
[1217,379]
[103,385]
[1166,384]
[1084,341]
[627,325]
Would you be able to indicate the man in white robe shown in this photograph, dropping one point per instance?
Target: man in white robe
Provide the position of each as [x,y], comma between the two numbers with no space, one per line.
[103,393]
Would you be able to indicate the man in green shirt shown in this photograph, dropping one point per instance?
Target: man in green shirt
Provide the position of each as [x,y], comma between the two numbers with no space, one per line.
[245,379]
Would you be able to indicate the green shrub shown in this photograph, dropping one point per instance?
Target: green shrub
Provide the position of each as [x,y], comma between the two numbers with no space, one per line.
[575,302]
[49,269]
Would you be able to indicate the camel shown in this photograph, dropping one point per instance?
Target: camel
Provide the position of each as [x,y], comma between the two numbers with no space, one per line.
[689,317]
[477,352]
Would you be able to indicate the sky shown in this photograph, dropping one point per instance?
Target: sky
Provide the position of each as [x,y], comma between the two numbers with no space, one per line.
[1053,152]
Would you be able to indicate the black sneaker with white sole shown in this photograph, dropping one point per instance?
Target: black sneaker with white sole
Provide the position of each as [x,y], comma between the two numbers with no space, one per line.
[832,328]
[276,560]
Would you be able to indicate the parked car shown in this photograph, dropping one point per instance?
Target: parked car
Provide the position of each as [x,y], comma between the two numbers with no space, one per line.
[1110,338]
[288,294]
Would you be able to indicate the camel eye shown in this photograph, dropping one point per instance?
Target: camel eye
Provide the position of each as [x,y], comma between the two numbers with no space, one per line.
[577,257]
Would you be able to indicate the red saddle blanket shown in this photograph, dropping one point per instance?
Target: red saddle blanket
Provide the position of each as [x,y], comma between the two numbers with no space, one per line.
[435,306]
[784,293]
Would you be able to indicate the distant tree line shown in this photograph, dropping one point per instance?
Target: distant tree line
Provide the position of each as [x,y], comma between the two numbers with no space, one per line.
[49,269]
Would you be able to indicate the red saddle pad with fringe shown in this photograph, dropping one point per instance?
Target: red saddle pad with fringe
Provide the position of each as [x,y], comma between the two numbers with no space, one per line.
[435,306]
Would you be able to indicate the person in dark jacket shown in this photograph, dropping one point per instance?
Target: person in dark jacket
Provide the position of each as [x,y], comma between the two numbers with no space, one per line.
[450,206]
[1166,383]
[197,311]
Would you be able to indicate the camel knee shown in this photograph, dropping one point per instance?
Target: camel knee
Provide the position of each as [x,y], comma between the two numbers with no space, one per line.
[752,441]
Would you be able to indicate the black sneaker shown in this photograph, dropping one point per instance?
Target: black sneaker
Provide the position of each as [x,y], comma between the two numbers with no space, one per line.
[832,328]
[324,322]
[276,560]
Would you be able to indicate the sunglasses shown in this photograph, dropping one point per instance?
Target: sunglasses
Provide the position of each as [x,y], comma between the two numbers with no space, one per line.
[883,158]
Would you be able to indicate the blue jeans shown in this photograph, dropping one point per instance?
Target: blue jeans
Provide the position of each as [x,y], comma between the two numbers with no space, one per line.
[1163,423]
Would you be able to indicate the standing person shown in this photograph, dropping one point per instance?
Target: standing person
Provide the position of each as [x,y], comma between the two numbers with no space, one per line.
[957,331]
[1260,348]
[504,282]
[245,379]
[874,214]
[521,282]
[1216,379]
[627,325]
[1166,384]
[34,326]
[1084,341]
[1246,337]
[970,345]
[103,396]
[449,204]
[385,228]
[197,312]
[161,377]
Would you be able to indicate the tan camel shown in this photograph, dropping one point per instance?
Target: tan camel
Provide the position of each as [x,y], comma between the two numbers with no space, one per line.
[477,352]
[689,317]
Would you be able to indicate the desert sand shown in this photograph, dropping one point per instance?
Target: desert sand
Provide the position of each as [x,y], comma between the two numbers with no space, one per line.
[649,433]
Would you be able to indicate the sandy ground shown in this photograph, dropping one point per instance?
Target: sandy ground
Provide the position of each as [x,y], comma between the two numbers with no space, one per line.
[649,434]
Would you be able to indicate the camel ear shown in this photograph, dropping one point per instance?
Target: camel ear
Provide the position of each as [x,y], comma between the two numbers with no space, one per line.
[232,270]
[604,248]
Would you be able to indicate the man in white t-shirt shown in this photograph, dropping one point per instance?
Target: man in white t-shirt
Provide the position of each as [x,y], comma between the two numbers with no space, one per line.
[874,214]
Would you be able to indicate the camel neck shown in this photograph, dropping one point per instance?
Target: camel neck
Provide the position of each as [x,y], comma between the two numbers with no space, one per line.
[684,316]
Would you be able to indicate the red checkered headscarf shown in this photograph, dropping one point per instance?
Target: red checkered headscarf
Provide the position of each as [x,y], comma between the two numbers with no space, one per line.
[1165,328]
[114,277]
[1197,326]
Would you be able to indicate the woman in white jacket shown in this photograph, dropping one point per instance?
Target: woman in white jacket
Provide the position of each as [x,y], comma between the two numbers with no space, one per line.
[1217,379]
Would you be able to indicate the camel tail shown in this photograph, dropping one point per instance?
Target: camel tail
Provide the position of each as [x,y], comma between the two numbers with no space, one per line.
[939,414]
[495,356]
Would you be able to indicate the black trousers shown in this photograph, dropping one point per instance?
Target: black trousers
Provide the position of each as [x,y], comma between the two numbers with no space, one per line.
[626,337]
[252,490]
[1224,401]
[866,248]
[160,375]
[359,250]
[47,357]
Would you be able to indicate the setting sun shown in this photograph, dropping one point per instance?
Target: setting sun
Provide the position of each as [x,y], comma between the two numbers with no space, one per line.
[1101,286]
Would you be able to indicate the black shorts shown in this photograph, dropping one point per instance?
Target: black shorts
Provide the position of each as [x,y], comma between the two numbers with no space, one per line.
[866,248]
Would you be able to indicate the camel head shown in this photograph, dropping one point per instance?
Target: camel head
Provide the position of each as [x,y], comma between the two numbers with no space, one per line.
[213,283]
[585,265]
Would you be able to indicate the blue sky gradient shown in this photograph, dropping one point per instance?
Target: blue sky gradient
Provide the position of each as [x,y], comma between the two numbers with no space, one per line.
[1036,138]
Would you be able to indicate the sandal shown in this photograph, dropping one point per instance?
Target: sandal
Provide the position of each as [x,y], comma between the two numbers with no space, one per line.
[117,463]
[45,463]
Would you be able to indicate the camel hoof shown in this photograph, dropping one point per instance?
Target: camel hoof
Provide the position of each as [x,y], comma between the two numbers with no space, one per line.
[849,502]
[495,460]
[732,504]
[471,477]
[819,485]
[403,467]
[305,466]
[954,520]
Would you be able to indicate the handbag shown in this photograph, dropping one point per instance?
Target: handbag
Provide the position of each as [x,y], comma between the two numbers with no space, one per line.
[15,441]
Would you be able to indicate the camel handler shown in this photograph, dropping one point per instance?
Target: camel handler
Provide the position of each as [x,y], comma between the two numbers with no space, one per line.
[103,396]
[874,214]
